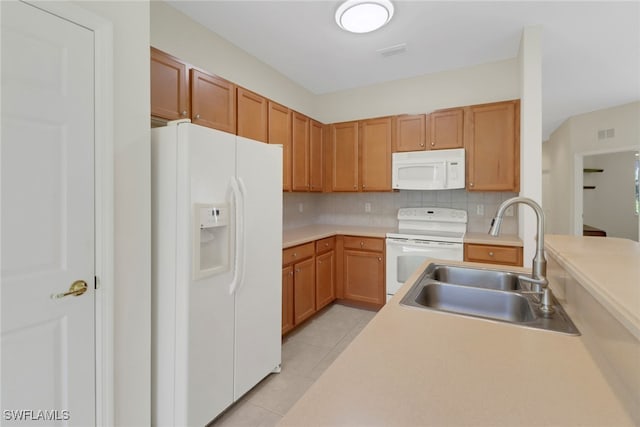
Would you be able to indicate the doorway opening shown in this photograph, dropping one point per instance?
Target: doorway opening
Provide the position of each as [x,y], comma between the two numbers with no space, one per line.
[609,194]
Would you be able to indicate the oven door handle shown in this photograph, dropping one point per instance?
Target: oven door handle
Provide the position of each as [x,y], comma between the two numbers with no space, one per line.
[416,249]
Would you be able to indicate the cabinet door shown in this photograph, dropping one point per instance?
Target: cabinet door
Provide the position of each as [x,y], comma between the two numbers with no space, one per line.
[287,299]
[315,156]
[375,152]
[409,131]
[364,277]
[344,156]
[492,141]
[213,102]
[325,279]
[252,115]
[169,87]
[280,133]
[445,129]
[300,152]
[304,291]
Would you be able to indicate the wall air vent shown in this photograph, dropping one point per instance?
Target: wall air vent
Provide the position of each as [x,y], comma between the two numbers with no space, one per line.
[606,133]
[392,50]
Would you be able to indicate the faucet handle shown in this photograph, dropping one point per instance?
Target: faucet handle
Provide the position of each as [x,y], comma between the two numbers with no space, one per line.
[541,281]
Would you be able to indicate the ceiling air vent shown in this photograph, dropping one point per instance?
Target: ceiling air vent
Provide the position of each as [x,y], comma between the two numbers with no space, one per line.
[392,50]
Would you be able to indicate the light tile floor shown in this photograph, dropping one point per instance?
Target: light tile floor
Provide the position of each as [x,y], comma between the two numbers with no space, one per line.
[306,353]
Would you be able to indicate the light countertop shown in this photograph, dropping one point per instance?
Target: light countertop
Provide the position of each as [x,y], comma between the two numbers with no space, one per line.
[608,268]
[298,236]
[412,367]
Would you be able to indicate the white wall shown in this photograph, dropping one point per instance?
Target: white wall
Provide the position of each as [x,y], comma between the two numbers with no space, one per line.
[132,240]
[178,35]
[577,137]
[611,205]
[497,81]
[530,60]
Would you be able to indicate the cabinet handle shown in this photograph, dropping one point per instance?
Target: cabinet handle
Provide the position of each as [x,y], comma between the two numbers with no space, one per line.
[297,270]
[291,273]
[184,113]
[319,261]
[490,253]
[326,245]
[355,186]
[361,244]
[197,116]
[379,259]
[433,144]
[422,144]
[295,255]
[471,184]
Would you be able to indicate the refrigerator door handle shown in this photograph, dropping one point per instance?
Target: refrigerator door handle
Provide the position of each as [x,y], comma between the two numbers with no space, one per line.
[240,242]
[239,233]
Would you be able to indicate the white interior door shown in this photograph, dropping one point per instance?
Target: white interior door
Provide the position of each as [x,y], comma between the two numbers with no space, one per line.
[48,348]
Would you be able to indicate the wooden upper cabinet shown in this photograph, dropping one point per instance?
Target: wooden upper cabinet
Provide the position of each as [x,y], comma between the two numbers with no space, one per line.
[252,115]
[280,133]
[169,87]
[375,154]
[213,101]
[409,132]
[300,152]
[492,142]
[316,137]
[445,129]
[344,156]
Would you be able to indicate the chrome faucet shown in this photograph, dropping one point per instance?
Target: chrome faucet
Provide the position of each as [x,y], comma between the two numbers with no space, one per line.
[539,268]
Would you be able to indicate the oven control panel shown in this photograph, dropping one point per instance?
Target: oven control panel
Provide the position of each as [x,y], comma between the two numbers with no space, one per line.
[432,214]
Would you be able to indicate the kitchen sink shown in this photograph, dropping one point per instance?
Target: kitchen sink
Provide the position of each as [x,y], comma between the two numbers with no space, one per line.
[496,305]
[477,277]
[494,295]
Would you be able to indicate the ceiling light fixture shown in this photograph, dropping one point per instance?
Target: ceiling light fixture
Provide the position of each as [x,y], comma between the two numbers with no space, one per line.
[364,16]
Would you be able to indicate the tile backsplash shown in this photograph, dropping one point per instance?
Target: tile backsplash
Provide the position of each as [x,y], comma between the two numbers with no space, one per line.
[301,209]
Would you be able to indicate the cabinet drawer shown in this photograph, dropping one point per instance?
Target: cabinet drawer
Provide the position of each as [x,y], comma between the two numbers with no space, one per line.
[325,245]
[508,255]
[365,243]
[297,253]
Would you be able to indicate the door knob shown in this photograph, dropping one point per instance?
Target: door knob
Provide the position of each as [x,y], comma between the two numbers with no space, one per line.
[76,289]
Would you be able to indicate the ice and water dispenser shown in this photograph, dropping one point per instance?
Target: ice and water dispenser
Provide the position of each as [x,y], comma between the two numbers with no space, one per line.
[211,240]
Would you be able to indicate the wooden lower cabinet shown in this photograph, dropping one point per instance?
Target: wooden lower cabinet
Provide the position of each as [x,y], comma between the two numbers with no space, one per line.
[362,271]
[493,254]
[298,285]
[325,279]
[304,290]
[287,299]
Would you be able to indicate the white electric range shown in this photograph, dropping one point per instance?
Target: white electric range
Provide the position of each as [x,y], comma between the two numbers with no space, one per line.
[423,233]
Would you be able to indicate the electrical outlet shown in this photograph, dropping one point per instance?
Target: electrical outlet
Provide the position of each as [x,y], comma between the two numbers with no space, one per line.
[509,211]
[367,207]
[300,207]
[480,210]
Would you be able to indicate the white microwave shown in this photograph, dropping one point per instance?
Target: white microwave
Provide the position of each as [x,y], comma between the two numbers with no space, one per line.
[428,170]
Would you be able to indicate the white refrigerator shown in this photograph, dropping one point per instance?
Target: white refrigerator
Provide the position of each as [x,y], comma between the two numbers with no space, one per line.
[216,270]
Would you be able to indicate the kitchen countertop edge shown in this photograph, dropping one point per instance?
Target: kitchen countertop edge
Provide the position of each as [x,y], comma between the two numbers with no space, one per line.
[301,235]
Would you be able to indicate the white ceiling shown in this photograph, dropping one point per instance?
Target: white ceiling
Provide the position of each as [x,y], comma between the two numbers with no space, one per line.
[590,54]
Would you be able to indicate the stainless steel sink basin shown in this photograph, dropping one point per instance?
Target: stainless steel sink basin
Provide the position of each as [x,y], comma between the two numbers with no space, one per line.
[486,294]
[497,305]
[481,278]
